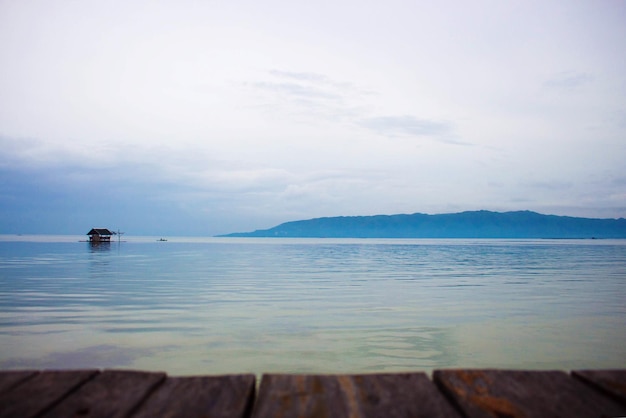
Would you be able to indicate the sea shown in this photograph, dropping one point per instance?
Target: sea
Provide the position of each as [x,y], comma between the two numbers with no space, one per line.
[191,306]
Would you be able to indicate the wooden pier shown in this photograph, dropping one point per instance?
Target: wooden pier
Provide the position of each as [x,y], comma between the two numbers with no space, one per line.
[450,393]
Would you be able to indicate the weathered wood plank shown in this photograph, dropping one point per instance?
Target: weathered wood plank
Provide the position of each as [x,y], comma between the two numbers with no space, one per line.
[396,395]
[375,395]
[612,382]
[10,379]
[41,392]
[113,393]
[201,396]
[502,393]
[283,396]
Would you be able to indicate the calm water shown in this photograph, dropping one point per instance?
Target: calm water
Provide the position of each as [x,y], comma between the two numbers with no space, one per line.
[211,306]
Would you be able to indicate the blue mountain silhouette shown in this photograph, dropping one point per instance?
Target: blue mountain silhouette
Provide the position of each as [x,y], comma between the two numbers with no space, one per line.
[471,224]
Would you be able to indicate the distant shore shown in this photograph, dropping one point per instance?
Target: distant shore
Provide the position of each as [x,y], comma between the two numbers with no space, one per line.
[473,224]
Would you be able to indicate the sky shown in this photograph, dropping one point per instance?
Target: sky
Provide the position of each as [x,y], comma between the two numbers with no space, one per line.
[194,117]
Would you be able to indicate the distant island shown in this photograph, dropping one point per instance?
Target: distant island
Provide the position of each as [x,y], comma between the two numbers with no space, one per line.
[471,224]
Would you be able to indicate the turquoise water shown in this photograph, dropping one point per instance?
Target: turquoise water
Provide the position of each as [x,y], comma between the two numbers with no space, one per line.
[230,305]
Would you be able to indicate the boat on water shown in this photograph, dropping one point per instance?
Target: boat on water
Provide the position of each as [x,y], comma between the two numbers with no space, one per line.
[161,239]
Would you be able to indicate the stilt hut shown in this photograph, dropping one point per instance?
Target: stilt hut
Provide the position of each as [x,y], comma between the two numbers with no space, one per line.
[100,235]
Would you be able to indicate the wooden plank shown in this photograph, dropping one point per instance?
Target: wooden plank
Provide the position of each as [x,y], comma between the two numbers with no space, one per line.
[612,382]
[41,392]
[396,395]
[284,396]
[113,393]
[201,396]
[502,393]
[376,395]
[10,379]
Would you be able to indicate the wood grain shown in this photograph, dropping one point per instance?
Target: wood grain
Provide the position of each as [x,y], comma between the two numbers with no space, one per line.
[113,393]
[201,396]
[375,395]
[41,392]
[513,394]
[397,395]
[299,396]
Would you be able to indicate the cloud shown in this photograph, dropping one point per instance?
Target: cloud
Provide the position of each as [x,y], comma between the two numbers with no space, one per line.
[319,95]
[568,80]
[306,84]
[407,125]
[618,181]
[550,185]
[309,96]
[298,90]
[302,76]
[318,79]
[410,126]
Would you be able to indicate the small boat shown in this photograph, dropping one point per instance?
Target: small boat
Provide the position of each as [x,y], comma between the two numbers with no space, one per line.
[161,239]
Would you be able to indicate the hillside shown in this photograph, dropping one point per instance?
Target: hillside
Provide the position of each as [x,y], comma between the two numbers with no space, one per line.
[473,224]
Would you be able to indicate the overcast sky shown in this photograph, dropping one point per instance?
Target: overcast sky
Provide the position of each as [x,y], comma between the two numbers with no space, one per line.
[207,117]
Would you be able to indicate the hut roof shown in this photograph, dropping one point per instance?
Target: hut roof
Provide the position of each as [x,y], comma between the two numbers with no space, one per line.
[100,231]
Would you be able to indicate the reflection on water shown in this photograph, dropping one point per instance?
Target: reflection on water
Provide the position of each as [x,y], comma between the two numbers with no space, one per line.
[257,305]
[98,246]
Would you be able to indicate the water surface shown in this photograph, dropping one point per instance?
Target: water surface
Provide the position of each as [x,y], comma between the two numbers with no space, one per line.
[229,305]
